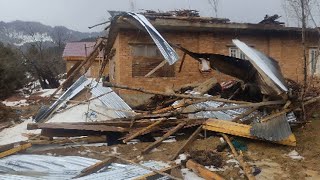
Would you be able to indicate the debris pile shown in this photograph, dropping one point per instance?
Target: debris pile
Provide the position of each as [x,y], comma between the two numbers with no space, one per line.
[258,104]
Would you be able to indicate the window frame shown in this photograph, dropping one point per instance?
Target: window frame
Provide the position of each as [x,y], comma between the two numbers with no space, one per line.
[154,56]
[237,53]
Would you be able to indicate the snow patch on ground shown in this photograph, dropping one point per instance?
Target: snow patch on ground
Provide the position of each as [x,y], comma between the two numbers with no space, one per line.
[16,133]
[47,92]
[181,157]
[20,103]
[295,155]
[189,175]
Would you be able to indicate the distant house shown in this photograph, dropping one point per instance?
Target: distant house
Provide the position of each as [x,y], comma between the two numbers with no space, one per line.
[75,52]
[136,54]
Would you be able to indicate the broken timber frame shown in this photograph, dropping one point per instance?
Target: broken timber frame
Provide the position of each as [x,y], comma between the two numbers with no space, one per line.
[165,136]
[202,171]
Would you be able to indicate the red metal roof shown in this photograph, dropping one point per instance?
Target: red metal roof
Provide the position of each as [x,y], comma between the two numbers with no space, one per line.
[78,49]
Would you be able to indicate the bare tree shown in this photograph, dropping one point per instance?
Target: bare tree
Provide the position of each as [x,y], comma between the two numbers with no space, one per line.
[60,36]
[214,4]
[41,59]
[300,10]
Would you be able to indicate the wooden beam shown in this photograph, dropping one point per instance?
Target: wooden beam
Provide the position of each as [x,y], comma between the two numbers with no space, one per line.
[102,128]
[241,130]
[187,143]
[108,84]
[15,149]
[154,175]
[182,61]
[96,167]
[165,136]
[147,168]
[156,68]
[140,132]
[246,168]
[203,171]
[88,139]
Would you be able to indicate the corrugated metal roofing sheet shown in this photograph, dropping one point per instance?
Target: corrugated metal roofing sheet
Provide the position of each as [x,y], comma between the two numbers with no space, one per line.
[264,65]
[166,50]
[42,167]
[111,100]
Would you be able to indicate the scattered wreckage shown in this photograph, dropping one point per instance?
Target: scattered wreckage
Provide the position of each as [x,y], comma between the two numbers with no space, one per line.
[259,105]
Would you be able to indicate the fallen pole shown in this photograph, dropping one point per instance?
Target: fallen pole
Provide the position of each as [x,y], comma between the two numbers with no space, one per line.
[107,84]
[140,132]
[147,168]
[243,164]
[95,167]
[202,171]
[187,143]
[165,136]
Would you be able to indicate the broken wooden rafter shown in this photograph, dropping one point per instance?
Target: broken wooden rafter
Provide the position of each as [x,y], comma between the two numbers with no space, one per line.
[85,65]
[68,126]
[13,148]
[147,168]
[140,132]
[154,175]
[202,171]
[95,167]
[165,136]
[88,139]
[108,84]
[241,130]
[156,68]
[246,168]
[187,143]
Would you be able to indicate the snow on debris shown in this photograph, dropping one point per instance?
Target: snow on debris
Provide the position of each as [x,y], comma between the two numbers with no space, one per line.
[22,102]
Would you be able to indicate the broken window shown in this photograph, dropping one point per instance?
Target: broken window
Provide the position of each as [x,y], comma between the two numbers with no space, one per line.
[235,52]
[145,58]
[313,61]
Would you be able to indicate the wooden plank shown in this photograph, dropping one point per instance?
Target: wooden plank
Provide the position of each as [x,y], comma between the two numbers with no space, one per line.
[102,128]
[140,132]
[241,130]
[202,171]
[154,175]
[147,168]
[246,168]
[89,139]
[68,133]
[15,149]
[96,167]
[165,136]
[187,143]
[156,68]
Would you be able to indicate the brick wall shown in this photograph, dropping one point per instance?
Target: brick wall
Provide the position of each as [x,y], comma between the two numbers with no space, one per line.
[286,48]
[94,69]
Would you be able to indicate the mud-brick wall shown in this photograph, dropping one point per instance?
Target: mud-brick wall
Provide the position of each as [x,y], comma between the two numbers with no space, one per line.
[286,48]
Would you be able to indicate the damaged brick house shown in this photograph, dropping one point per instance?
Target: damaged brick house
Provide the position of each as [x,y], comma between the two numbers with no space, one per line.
[136,54]
[75,52]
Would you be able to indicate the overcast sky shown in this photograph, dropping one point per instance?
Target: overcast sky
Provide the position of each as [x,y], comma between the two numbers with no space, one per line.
[79,14]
